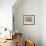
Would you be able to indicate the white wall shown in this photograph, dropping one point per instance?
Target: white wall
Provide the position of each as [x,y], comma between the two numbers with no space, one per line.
[6,13]
[32,30]
[43,22]
[29,7]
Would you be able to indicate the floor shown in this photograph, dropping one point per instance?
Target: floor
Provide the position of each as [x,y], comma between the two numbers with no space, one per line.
[9,43]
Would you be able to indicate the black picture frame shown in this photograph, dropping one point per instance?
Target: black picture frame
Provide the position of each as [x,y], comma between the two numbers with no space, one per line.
[29,19]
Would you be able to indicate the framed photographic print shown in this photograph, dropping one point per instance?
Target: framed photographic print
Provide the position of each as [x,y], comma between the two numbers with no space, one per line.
[28,19]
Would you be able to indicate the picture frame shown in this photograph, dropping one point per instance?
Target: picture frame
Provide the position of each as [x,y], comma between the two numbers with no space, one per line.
[28,19]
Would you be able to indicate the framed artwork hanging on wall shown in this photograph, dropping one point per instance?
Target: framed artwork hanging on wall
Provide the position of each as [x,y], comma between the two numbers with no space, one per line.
[28,19]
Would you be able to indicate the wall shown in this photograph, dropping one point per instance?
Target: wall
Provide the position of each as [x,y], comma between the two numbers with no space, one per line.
[43,22]
[6,13]
[29,7]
